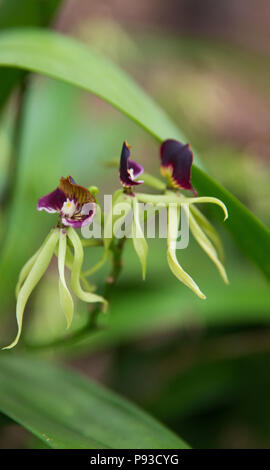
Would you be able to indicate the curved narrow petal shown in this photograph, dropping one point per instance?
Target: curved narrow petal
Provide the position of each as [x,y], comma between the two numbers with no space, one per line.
[207,246]
[66,300]
[176,163]
[25,271]
[52,202]
[171,197]
[129,170]
[139,242]
[177,270]
[209,230]
[109,218]
[40,266]
[69,263]
[76,271]
[209,200]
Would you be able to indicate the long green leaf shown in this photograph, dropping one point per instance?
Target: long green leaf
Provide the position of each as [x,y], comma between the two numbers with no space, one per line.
[65,59]
[14,13]
[68,411]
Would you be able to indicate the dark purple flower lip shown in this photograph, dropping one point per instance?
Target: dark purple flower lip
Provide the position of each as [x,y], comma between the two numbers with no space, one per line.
[129,170]
[75,204]
[176,163]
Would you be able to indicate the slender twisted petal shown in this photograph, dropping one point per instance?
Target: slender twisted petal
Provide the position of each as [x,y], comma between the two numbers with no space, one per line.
[177,270]
[109,218]
[76,270]
[38,269]
[25,271]
[207,246]
[171,198]
[69,263]
[66,300]
[209,230]
[208,200]
[139,242]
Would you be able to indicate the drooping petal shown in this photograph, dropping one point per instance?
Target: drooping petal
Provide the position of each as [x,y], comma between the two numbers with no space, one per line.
[177,270]
[25,271]
[52,202]
[40,266]
[66,300]
[139,242]
[69,263]
[207,246]
[76,271]
[208,200]
[129,170]
[109,218]
[176,163]
[171,198]
[209,230]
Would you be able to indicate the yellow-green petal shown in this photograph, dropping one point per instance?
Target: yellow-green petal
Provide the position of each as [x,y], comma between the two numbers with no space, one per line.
[25,271]
[139,242]
[206,199]
[76,271]
[209,230]
[66,300]
[207,246]
[177,270]
[109,219]
[38,269]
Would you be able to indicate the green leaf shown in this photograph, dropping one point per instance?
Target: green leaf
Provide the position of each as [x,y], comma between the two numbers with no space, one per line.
[65,59]
[68,411]
[22,13]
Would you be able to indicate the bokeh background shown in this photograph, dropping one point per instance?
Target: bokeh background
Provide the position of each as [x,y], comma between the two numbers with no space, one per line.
[202,368]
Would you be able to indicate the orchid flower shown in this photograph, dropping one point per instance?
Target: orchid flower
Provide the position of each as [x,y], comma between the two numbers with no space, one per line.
[76,207]
[129,171]
[75,204]
[176,163]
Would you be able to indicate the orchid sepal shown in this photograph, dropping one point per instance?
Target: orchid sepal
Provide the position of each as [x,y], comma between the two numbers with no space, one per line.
[209,230]
[76,270]
[177,270]
[207,246]
[139,242]
[66,300]
[37,271]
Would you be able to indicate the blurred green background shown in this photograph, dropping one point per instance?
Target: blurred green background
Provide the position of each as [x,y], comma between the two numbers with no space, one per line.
[202,368]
